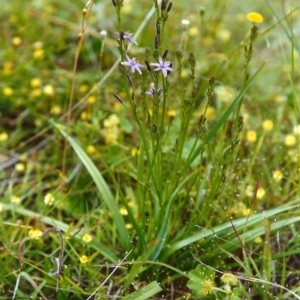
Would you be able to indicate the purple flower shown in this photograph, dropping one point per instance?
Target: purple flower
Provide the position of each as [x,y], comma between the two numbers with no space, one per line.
[164,66]
[133,64]
[152,91]
[128,37]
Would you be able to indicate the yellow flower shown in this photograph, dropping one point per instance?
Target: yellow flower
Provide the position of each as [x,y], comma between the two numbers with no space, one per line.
[267,125]
[249,191]
[171,113]
[85,116]
[37,92]
[296,130]
[1,208]
[84,259]
[19,167]
[229,279]
[111,121]
[134,151]
[3,137]
[38,54]
[255,17]
[90,149]
[258,240]
[207,287]
[251,136]
[224,35]
[290,140]
[49,199]
[277,175]
[35,82]
[16,41]
[34,234]
[7,68]
[7,91]
[225,93]
[193,31]
[55,110]
[280,98]
[91,99]
[48,90]
[123,211]
[15,199]
[127,8]
[87,238]
[83,88]
[260,193]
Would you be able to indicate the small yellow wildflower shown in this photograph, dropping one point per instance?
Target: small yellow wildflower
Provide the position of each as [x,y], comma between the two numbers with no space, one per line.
[23,157]
[258,240]
[134,151]
[277,175]
[255,17]
[229,279]
[49,199]
[290,140]
[193,31]
[249,191]
[296,130]
[267,125]
[87,238]
[35,82]
[83,88]
[210,113]
[90,149]
[34,234]
[279,98]
[48,90]
[171,113]
[7,91]
[16,41]
[111,121]
[37,92]
[207,287]
[260,193]
[123,211]
[85,116]
[224,35]
[251,136]
[128,225]
[91,99]
[84,259]
[55,110]
[19,167]
[38,45]
[15,199]
[3,137]
[7,68]
[224,93]
[38,54]
[1,208]
[127,8]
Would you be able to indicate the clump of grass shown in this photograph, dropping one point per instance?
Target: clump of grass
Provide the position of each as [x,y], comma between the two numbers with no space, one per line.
[147,160]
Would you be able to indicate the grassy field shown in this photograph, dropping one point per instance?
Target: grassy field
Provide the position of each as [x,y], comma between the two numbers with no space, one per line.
[149,149]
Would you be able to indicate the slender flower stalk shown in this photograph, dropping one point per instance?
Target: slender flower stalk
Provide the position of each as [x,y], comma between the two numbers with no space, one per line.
[164,66]
[133,64]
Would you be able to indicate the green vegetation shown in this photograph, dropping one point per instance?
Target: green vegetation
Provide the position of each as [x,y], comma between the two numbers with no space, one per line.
[149,150]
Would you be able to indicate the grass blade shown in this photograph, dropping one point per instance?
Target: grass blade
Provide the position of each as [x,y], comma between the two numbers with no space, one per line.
[146,292]
[104,191]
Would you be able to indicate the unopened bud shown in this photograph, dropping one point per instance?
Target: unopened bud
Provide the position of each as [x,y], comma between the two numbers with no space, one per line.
[169,7]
